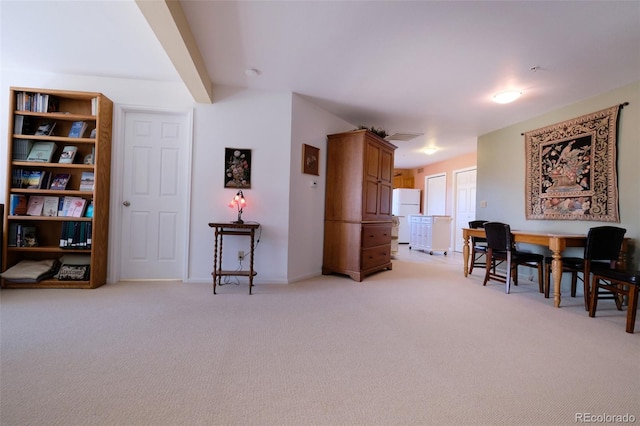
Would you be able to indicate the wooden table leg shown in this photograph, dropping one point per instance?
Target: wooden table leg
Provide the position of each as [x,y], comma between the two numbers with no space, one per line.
[251,261]
[215,259]
[465,254]
[556,271]
[557,246]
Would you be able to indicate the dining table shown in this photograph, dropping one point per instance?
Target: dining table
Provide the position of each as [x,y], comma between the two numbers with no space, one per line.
[557,243]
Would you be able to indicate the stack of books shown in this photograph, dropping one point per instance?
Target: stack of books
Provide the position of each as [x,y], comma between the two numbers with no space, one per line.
[21,149]
[76,235]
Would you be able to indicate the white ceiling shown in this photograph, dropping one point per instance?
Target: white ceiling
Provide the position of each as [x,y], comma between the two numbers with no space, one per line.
[426,67]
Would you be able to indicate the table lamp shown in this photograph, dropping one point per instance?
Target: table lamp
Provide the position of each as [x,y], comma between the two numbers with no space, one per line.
[239,202]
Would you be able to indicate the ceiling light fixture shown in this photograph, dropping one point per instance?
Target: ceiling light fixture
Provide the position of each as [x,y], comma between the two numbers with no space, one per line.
[507,96]
[251,72]
[430,150]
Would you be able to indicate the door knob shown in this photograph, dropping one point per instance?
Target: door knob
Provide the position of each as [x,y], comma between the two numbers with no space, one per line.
[126,203]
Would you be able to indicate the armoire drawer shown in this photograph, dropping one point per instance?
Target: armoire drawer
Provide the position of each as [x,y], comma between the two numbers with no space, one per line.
[376,235]
[375,256]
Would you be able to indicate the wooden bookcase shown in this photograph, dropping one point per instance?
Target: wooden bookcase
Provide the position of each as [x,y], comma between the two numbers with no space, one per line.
[62,108]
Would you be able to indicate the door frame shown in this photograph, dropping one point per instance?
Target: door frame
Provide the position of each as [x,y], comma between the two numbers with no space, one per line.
[454,214]
[117,173]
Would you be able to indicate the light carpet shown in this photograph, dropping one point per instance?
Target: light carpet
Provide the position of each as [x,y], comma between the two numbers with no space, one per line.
[418,345]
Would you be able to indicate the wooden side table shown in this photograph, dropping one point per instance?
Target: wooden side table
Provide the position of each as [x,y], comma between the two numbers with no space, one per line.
[239,229]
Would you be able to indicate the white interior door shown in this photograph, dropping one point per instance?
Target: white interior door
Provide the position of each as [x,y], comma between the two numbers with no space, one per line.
[435,197]
[154,195]
[465,190]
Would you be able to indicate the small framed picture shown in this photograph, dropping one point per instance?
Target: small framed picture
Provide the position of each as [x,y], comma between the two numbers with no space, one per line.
[310,159]
[237,173]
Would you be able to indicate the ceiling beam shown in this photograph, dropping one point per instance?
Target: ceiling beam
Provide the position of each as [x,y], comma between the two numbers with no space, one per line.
[168,22]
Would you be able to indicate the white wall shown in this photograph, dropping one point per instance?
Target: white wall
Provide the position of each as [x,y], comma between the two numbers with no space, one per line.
[310,125]
[256,120]
[273,125]
[501,183]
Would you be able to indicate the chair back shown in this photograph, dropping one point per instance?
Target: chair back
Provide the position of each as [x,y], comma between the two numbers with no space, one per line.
[475,224]
[604,243]
[498,236]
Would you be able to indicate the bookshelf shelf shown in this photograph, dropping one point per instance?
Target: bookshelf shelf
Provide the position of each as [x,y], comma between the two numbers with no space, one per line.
[54,284]
[64,139]
[21,218]
[57,116]
[35,165]
[46,249]
[57,111]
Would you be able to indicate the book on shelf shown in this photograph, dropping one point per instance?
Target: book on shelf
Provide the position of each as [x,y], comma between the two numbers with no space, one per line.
[19,235]
[18,124]
[35,205]
[90,158]
[21,149]
[50,206]
[45,182]
[73,206]
[24,125]
[19,178]
[42,152]
[87,181]
[77,129]
[45,129]
[68,154]
[60,181]
[12,235]
[36,102]
[76,235]
[34,179]
[89,212]
[17,204]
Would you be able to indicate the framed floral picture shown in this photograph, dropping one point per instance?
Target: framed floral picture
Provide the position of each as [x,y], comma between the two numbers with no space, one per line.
[310,159]
[237,168]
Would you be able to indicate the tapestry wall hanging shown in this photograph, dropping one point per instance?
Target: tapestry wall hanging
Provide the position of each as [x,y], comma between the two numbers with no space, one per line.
[571,169]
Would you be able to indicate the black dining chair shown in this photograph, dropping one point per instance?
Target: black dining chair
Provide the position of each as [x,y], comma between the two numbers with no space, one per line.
[621,283]
[601,250]
[478,246]
[500,247]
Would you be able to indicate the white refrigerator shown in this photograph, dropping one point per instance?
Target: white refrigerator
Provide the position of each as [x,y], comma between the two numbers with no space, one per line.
[405,202]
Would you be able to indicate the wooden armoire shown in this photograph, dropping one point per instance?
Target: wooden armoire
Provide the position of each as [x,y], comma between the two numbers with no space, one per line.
[357,218]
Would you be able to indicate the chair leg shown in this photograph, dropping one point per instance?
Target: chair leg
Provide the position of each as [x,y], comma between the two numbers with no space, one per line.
[540,278]
[617,297]
[593,302]
[473,259]
[587,291]
[488,266]
[547,275]
[508,280]
[632,307]
[574,283]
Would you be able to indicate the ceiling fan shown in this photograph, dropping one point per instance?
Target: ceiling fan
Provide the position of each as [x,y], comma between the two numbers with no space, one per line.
[399,136]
